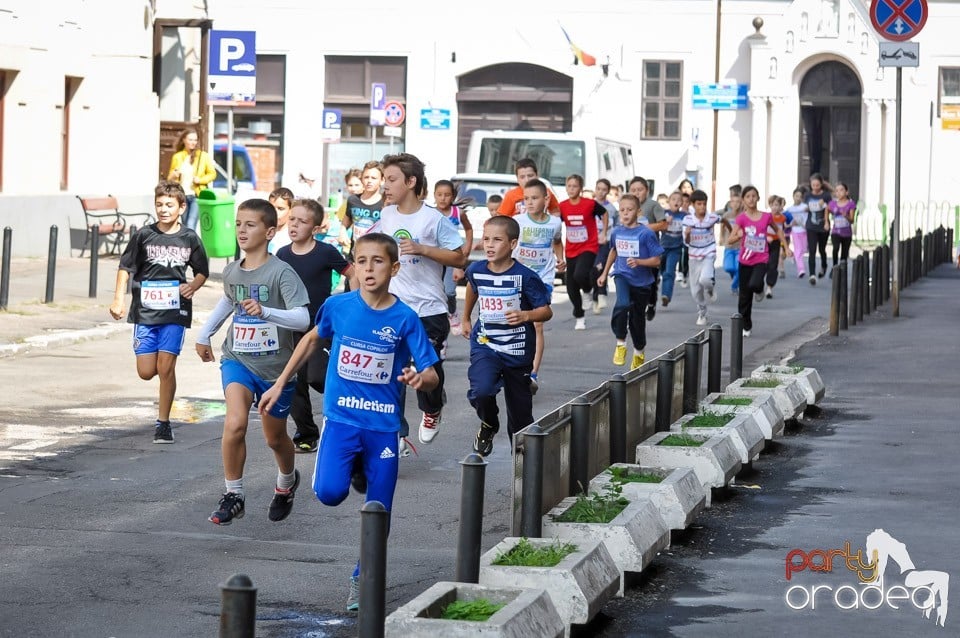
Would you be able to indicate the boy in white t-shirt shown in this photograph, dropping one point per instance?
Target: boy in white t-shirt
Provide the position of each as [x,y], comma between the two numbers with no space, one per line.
[428,242]
[700,238]
[539,248]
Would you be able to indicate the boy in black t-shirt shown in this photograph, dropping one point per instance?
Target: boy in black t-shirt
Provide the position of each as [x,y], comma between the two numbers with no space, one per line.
[157,257]
[314,262]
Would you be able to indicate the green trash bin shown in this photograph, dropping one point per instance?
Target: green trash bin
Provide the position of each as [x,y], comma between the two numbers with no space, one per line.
[217,224]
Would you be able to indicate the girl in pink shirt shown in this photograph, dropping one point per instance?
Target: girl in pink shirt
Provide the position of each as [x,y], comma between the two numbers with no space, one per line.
[750,230]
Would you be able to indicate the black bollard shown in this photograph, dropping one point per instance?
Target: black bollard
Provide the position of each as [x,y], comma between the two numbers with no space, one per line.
[618,418]
[865,291]
[854,298]
[861,275]
[238,607]
[714,357]
[665,368]
[842,310]
[877,276]
[885,276]
[51,265]
[374,526]
[94,259]
[736,346]
[579,446]
[835,301]
[472,484]
[531,495]
[5,268]
[691,375]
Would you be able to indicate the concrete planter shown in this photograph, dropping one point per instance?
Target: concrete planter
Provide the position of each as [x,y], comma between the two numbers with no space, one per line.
[679,496]
[808,378]
[762,404]
[579,585]
[787,394]
[715,462]
[747,436]
[633,538]
[528,612]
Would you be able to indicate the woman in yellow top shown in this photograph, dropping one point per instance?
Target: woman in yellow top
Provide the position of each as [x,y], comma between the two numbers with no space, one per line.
[193,169]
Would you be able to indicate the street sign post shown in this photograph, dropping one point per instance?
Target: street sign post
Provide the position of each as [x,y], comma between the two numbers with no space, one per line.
[232,77]
[899,54]
[898,21]
[378,100]
[725,96]
[232,74]
[330,130]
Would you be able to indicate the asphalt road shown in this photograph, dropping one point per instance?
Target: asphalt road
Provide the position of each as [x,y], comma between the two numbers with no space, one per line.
[105,534]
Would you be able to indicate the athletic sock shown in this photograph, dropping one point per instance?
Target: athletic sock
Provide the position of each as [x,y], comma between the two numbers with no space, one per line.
[285,481]
[621,342]
[235,486]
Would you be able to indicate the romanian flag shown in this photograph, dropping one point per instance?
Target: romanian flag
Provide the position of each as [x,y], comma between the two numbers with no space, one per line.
[581,56]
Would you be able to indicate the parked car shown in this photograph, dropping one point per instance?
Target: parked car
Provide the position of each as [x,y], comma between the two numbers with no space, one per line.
[244,174]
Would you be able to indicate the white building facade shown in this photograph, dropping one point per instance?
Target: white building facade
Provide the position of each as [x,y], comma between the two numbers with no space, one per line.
[817,99]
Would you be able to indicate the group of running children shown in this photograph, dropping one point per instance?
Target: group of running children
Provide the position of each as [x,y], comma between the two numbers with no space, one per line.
[401,259]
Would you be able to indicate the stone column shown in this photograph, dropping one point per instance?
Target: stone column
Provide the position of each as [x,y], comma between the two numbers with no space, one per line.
[758,141]
[872,153]
[782,144]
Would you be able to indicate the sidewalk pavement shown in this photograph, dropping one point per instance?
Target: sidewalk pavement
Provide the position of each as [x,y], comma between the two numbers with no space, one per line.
[74,316]
[880,454]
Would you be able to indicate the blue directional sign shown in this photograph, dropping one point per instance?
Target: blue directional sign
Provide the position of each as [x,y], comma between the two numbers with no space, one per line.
[898,20]
[435,119]
[232,75]
[720,96]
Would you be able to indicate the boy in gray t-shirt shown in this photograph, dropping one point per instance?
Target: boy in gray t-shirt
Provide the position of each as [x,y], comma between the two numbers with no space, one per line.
[267,303]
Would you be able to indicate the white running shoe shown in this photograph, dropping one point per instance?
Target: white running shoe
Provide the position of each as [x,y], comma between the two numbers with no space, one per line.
[757,297]
[429,427]
[581,324]
[601,301]
[746,333]
[714,297]
[702,319]
[587,305]
[596,306]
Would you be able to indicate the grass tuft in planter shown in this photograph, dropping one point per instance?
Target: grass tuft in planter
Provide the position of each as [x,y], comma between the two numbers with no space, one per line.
[596,508]
[708,419]
[733,401]
[681,440]
[624,475]
[794,369]
[478,610]
[524,554]
[761,383]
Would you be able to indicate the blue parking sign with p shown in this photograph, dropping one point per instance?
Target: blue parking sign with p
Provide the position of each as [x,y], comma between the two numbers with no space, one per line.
[332,118]
[233,68]
[233,53]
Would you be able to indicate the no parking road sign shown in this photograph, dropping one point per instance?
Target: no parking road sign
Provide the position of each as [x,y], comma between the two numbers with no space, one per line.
[898,20]
[393,113]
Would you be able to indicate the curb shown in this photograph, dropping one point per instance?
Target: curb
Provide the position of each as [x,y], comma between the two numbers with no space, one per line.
[66,337]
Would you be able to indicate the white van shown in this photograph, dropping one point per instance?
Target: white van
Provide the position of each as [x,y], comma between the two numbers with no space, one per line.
[557,155]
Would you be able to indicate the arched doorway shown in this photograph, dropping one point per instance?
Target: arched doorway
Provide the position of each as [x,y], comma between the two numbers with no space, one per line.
[512,96]
[830,104]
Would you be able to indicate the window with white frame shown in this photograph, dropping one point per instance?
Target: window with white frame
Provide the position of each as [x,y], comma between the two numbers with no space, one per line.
[662,98]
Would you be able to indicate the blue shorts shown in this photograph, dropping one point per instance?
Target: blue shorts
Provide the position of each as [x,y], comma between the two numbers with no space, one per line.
[235,372]
[165,337]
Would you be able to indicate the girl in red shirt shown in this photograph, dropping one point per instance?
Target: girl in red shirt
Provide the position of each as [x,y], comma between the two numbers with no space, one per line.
[579,217]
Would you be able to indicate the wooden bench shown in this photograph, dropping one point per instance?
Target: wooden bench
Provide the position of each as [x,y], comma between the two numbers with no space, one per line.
[114,226]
